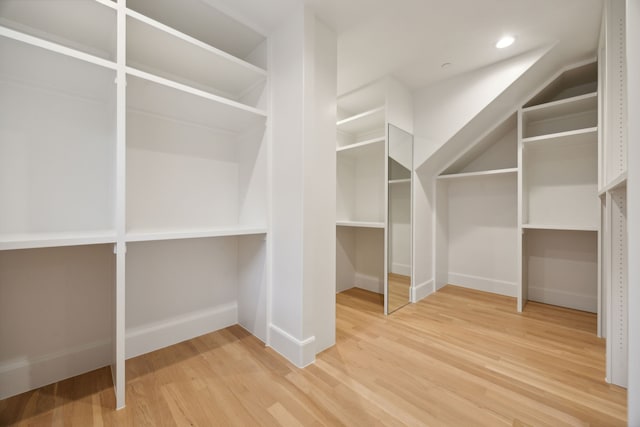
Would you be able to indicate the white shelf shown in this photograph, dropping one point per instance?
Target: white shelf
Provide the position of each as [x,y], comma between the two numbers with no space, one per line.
[162,97]
[361,224]
[154,235]
[560,227]
[51,240]
[187,59]
[618,182]
[360,145]
[480,173]
[86,26]
[563,107]
[202,20]
[364,122]
[56,48]
[400,181]
[580,136]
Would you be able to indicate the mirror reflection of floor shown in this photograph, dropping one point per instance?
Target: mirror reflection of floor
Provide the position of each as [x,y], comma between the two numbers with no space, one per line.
[399,291]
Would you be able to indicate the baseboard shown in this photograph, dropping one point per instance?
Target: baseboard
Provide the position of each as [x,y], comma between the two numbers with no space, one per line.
[485,284]
[369,283]
[403,269]
[20,375]
[162,334]
[422,290]
[300,353]
[563,299]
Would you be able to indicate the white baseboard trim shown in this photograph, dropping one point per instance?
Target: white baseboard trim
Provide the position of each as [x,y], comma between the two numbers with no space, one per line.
[563,299]
[422,290]
[485,284]
[300,353]
[403,269]
[162,334]
[369,283]
[24,374]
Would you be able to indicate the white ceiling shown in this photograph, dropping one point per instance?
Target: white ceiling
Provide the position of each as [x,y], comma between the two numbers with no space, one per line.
[411,39]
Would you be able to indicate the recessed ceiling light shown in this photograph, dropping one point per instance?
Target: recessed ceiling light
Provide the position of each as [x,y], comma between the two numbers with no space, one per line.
[506,41]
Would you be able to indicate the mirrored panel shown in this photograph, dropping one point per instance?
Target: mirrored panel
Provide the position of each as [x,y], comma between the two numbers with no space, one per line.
[399,224]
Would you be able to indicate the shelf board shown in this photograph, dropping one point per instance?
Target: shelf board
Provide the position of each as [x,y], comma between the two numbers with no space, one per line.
[86,26]
[188,58]
[618,182]
[560,227]
[165,98]
[52,240]
[480,173]
[579,136]
[154,235]
[362,144]
[400,181]
[562,107]
[361,224]
[363,122]
[56,48]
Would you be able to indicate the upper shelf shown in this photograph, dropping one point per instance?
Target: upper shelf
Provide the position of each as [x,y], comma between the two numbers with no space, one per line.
[580,136]
[48,70]
[569,83]
[618,182]
[364,148]
[88,26]
[165,98]
[363,122]
[187,60]
[360,224]
[573,113]
[203,22]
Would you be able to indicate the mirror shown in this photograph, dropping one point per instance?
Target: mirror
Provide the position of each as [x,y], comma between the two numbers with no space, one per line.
[399,248]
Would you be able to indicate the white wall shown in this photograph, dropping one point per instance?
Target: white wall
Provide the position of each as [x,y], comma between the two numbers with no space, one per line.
[303,187]
[633,206]
[483,232]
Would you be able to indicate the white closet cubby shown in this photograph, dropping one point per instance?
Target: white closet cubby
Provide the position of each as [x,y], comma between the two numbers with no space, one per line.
[559,206]
[160,150]
[476,206]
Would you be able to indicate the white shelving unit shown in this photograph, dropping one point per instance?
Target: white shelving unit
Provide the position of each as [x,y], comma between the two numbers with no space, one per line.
[559,214]
[361,190]
[159,151]
[476,200]
[612,181]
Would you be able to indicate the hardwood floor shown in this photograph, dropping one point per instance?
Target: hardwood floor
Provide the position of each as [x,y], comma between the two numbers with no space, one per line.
[457,358]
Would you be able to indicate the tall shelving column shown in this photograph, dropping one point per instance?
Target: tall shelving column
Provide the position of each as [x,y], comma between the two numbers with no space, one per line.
[613,190]
[559,217]
[361,190]
[196,174]
[57,229]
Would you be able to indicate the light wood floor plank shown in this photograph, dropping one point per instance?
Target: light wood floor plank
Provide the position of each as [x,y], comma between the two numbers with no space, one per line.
[459,357]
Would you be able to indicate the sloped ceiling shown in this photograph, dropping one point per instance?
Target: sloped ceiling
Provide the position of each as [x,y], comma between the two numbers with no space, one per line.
[411,39]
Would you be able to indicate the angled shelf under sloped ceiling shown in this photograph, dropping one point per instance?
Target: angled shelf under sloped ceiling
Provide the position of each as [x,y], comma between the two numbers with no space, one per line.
[572,82]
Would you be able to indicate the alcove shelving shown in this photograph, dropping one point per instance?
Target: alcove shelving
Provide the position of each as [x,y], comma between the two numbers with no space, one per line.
[361,177]
[57,169]
[190,166]
[559,206]
[476,201]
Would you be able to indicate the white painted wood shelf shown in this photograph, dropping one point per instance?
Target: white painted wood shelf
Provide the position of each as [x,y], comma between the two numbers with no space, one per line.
[399,181]
[618,182]
[361,145]
[52,240]
[165,98]
[580,136]
[157,235]
[363,122]
[479,174]
[84,26]
[561,227]
[563,107]
[360,224]
[188,60]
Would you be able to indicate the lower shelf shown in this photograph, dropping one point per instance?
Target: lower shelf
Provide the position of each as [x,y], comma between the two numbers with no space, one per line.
[152,235]
[363,224]
[51,240]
